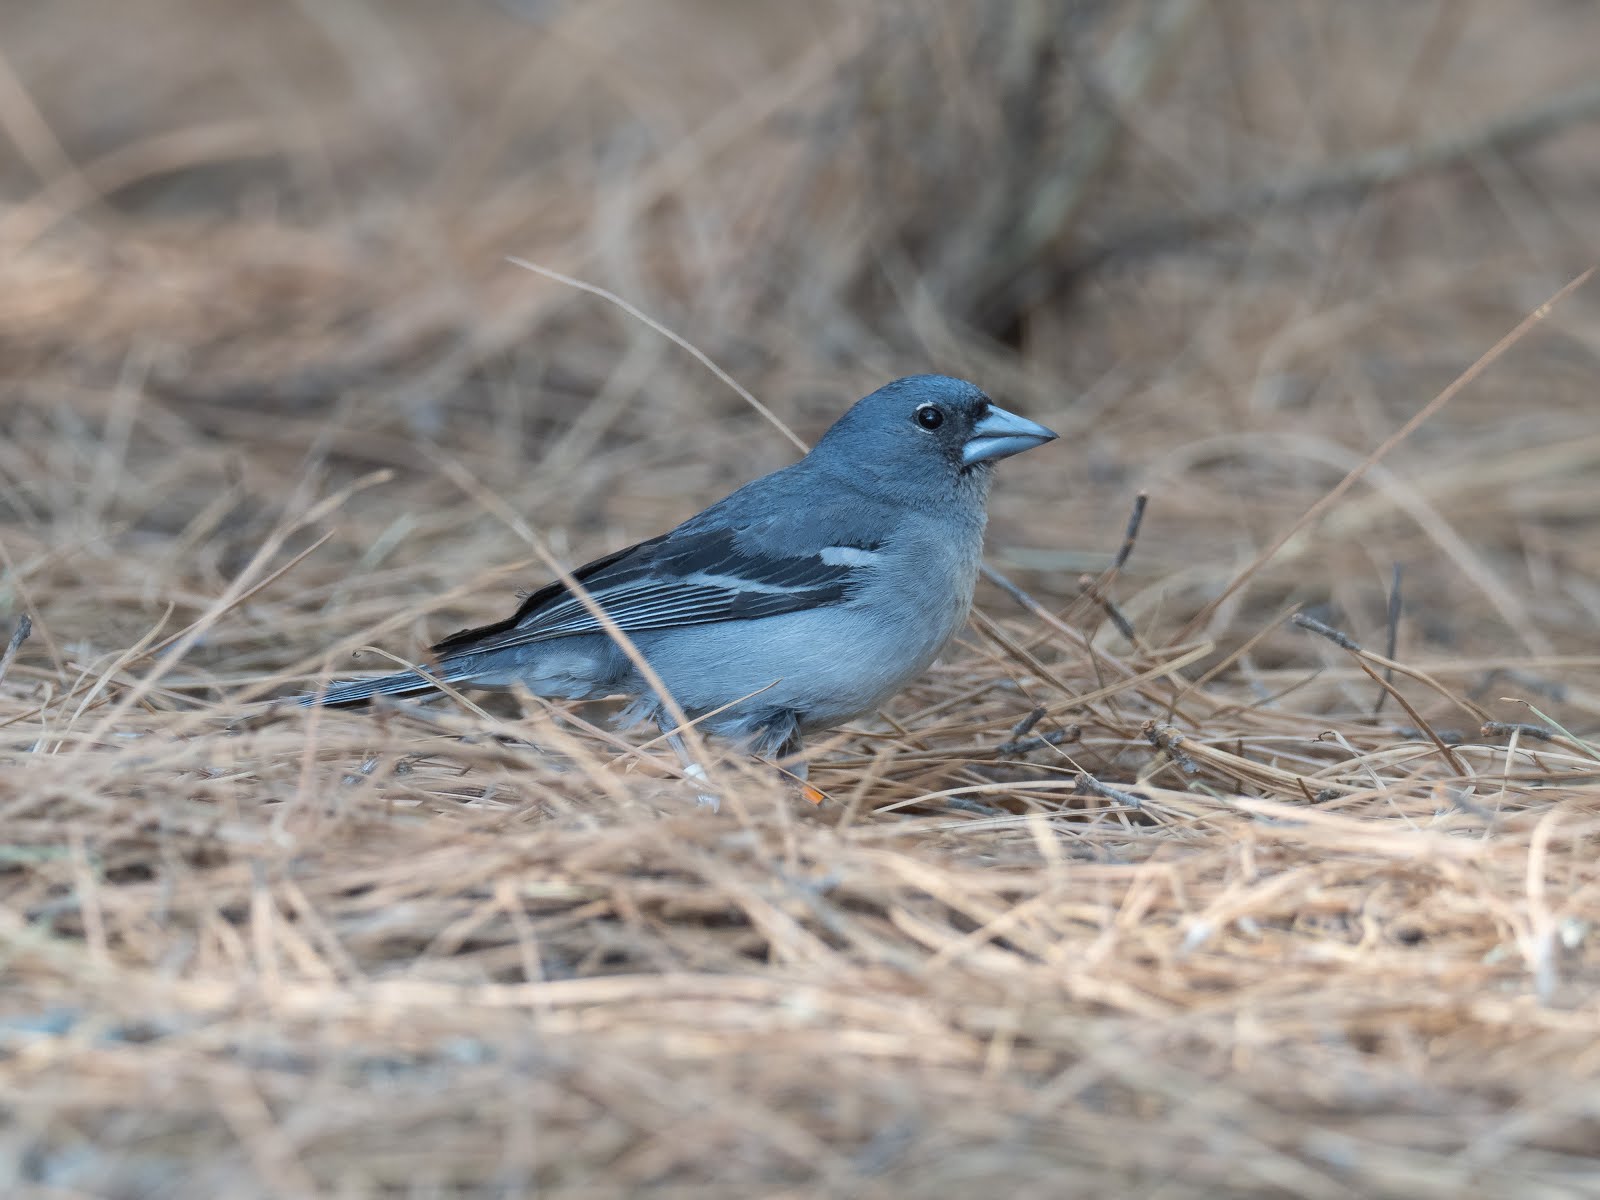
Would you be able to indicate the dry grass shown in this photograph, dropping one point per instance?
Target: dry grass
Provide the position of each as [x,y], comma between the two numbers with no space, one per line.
[1184,915]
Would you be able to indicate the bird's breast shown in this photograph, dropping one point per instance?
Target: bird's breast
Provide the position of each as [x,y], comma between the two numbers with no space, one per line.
[837,661]
[924,590]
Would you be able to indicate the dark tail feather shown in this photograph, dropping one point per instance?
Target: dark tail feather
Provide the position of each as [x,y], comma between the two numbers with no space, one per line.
[358,691]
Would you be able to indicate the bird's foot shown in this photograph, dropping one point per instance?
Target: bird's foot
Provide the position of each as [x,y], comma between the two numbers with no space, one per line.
[695,772]
[794,773]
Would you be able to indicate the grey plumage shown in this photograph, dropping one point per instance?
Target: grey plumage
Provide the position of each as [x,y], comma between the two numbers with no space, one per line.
[817,591]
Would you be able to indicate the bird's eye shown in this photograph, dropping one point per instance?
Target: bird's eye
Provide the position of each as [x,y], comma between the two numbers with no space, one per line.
[930,417]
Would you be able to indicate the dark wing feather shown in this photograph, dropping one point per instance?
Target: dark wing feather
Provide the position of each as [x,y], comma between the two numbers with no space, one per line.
[683,579]
[469,639]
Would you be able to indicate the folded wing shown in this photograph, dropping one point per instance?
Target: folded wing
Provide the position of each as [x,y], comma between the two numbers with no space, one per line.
[680,579]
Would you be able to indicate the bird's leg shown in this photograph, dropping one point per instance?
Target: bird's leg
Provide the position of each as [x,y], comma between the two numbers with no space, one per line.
[788,756]
[782,741]
[692,768]
[799,769]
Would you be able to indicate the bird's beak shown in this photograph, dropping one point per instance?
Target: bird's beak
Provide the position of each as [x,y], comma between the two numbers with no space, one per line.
[1000,434]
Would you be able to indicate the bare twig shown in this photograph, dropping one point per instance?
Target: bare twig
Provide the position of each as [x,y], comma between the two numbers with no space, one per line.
[1394,637]
[1135,520]
[18,636]
[1088,783]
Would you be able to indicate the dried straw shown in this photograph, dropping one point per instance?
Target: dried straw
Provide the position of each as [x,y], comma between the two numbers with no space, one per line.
[1213,861]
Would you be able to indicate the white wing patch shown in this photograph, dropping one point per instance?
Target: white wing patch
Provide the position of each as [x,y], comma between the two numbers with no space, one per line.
[681,579]
[848,556]
[737,583]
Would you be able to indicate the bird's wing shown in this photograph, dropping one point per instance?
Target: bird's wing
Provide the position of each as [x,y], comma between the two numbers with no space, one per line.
[689,577]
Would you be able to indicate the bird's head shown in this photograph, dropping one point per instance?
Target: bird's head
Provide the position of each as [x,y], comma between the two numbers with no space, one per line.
[927,429]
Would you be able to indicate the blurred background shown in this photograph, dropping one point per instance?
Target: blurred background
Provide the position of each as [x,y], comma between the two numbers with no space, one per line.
[1225,249]
[267,376]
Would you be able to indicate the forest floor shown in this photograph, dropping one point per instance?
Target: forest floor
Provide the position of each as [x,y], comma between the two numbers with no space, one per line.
[1261,861]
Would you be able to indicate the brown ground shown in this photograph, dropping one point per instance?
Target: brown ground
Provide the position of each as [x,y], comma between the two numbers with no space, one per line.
[272,394]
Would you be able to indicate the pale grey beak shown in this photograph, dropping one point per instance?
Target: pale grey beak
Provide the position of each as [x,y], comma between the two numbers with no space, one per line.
[1000,434]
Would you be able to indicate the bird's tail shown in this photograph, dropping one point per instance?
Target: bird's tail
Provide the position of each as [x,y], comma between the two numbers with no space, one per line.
[402,683]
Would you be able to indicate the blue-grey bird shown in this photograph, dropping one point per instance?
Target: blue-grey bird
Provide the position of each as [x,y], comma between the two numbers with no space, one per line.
[806,598]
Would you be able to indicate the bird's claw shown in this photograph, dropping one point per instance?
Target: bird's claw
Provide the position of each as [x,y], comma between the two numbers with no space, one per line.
[702,799]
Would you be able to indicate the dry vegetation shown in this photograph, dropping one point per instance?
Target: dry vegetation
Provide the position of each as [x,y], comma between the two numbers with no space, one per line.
[1187,914]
